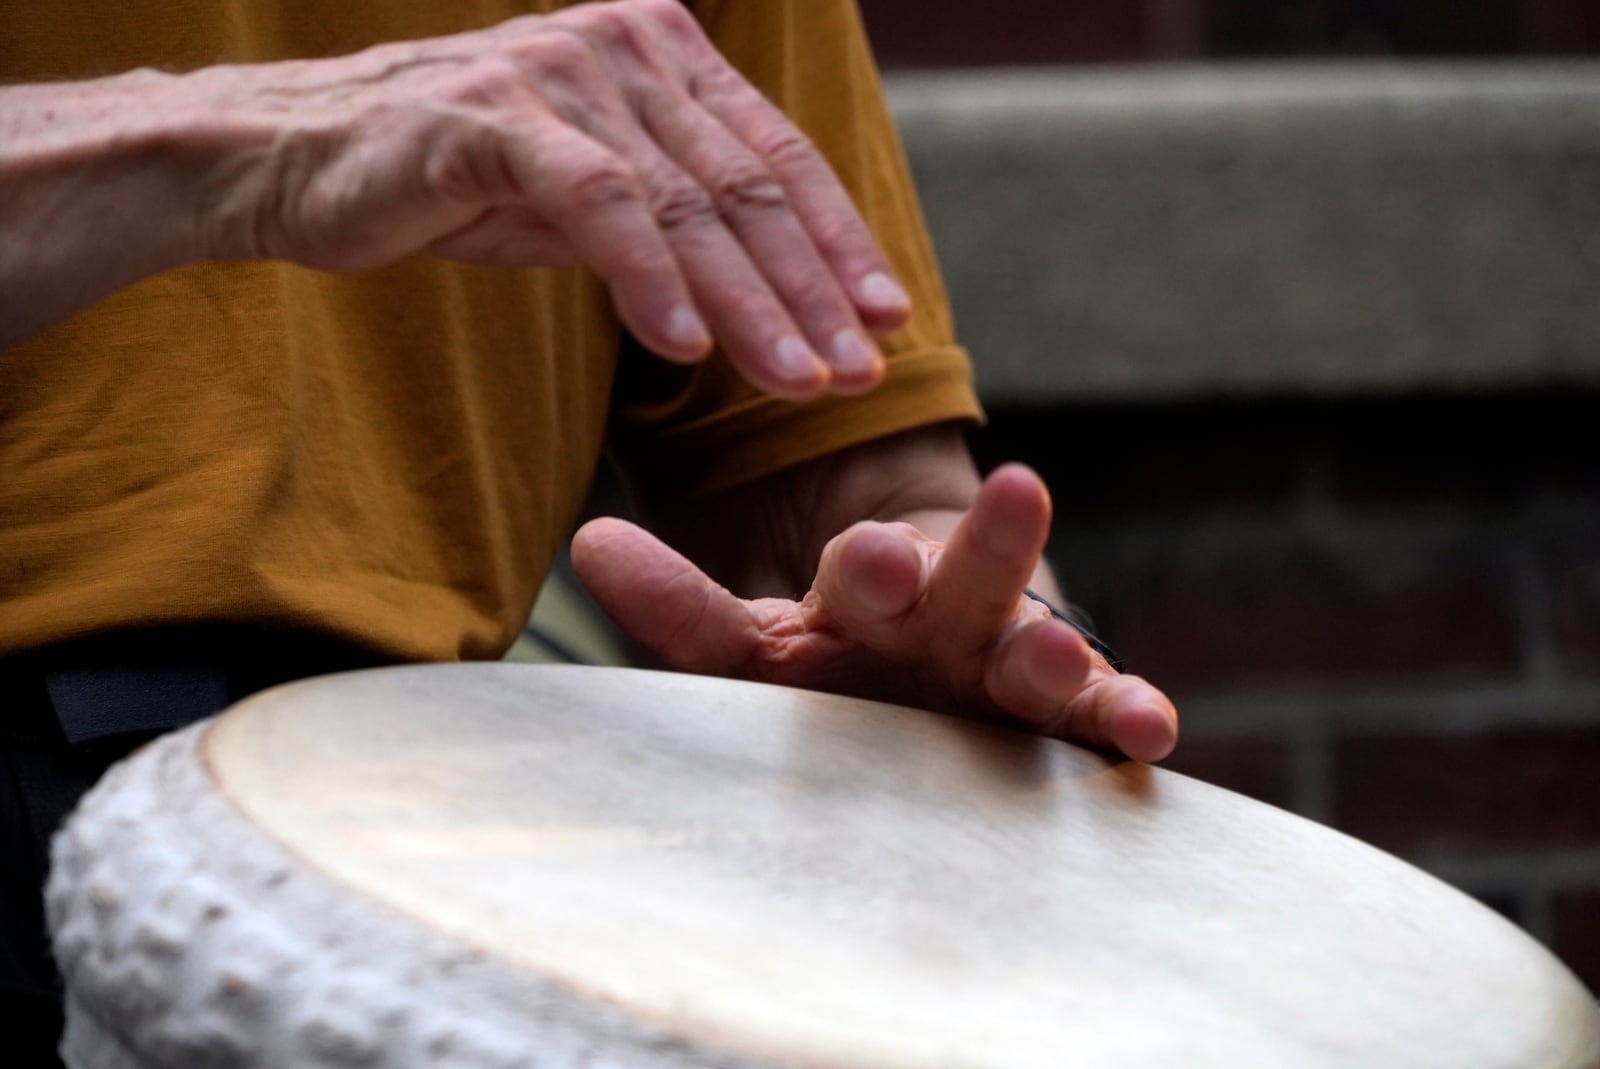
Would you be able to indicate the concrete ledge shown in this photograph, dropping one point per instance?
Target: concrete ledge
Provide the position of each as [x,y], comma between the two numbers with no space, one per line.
[1162,233]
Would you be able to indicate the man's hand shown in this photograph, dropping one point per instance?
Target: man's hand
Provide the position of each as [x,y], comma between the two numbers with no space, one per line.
[894,616]
[611,135]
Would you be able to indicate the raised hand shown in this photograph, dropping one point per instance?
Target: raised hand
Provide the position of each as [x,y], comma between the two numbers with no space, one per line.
[608,134]
[895,616]
[612,135]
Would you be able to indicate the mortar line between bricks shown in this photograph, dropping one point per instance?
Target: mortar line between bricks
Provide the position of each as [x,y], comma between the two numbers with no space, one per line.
[1462,708]
[1532,609]
[1538,915]
[1310,771]
[1552,872]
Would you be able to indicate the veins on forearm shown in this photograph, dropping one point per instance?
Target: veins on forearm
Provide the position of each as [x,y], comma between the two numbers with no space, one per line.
[329,84]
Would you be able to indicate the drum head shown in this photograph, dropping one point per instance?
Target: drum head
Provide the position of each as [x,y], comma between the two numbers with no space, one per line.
[759,875]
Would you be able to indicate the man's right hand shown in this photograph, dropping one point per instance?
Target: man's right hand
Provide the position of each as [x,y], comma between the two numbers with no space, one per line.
[609,134]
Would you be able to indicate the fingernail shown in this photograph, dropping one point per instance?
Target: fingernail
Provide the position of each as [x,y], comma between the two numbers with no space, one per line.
[880,290]
[795,359]
[852,352]
[686,328]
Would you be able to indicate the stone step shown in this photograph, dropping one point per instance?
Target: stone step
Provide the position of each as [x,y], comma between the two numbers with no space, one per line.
[1177,232]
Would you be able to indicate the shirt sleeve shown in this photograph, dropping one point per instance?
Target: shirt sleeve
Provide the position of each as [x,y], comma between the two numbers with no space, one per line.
[688,431]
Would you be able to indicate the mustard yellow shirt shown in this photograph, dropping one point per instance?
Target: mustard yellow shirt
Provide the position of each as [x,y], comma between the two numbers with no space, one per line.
[394,457]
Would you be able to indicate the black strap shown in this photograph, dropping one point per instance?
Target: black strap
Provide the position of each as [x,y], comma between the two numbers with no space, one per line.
[152,680]
[97,700]
[1067,616]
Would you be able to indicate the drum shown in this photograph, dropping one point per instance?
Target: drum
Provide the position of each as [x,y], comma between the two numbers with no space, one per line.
[552,866]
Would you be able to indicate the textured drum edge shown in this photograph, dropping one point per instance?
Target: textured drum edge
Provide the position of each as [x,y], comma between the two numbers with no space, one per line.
[188,939]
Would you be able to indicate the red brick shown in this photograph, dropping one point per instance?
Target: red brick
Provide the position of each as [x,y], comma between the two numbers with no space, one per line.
[1559,26]
[919,33]
[1575,610]
[1416,27]
[926,33]
[1297,614]
[1257,767]
[1576,936]
[1501,790]
[1432,453]
[1113,464]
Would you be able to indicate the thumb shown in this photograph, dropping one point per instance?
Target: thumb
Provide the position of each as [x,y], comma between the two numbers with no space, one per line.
[661,599]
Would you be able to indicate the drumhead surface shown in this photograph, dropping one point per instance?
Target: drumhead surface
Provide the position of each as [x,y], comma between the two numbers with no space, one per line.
[779,877]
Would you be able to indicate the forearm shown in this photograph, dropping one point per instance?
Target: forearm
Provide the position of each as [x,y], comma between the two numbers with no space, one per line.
[611,135]
[109,181]
[96,192]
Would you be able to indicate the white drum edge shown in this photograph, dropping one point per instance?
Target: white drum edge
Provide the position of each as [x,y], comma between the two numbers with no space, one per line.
[182,969]
[189,939]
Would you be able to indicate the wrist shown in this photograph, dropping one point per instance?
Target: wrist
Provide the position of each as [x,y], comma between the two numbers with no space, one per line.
[220,144]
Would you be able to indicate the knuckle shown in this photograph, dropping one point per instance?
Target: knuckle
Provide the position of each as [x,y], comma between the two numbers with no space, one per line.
[663,12]
[716,80]
[787,146]
[749,189]
[601,187]
[562,55]
[684,205]
[626,35]
[609,23]
[492,80]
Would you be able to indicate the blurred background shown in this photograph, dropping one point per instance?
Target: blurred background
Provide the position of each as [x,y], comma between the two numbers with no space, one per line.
[1296,304]
[948,33]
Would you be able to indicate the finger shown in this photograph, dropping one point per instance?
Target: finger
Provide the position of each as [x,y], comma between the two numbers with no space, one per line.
[662,600]
[1035,668]
[756,331]
[731,292]
[1145,723]
[597,199]
[751,201]
[1122,712]
[975,589]
[820,199]
[1044,674]
[580,185]
[869,578]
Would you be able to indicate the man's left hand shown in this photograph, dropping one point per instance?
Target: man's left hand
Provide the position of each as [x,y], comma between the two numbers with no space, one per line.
[894,615]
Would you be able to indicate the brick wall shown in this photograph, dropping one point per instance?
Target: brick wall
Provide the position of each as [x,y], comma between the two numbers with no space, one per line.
[929,33]
[1381,614]
[1383,611]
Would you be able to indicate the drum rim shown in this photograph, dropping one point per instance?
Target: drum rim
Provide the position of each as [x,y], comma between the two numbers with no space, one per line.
[188,780]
